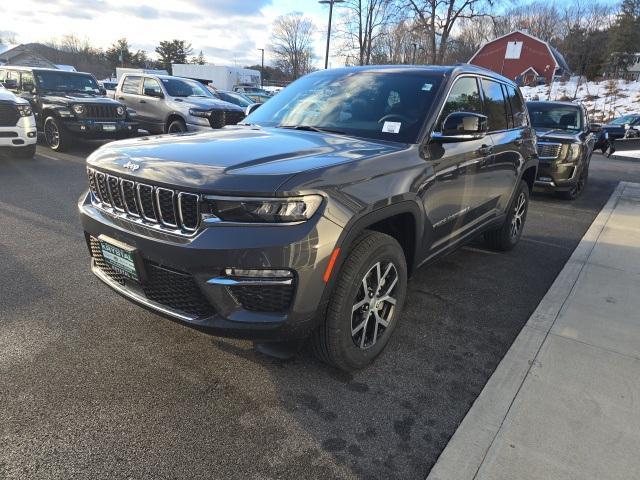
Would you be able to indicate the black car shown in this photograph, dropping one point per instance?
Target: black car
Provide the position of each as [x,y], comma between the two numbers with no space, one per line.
[614,130]
[68,105]
[306,220]
[565,145]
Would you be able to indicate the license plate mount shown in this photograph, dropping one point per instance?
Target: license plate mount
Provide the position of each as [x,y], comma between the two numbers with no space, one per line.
[109,127]
[121,257]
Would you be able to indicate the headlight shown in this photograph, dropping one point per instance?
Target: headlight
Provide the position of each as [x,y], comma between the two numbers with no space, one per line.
[24,110]
[196,112]
[570,153]
[78,109]
[260,210]
[120,110]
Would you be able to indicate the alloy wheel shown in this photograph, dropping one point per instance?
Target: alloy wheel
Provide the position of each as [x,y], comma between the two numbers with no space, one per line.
[374,305]
[519,211]
[52,134]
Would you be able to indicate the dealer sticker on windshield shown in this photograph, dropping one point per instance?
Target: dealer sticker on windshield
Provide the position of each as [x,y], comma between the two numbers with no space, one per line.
[391,127]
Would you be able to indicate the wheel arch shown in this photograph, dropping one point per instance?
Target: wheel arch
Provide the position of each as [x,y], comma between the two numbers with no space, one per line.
[172,117]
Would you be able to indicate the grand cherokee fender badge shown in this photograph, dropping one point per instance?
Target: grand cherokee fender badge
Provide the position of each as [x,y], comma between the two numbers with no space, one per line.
[131,166]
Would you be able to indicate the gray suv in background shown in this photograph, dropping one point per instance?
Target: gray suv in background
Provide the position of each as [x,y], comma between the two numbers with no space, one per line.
[305,221]
[166,104]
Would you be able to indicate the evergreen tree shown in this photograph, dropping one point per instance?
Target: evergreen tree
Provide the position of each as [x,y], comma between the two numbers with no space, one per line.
[173,51]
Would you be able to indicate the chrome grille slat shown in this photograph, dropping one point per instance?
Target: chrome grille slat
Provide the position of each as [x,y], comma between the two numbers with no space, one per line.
[155,207]
[548,151]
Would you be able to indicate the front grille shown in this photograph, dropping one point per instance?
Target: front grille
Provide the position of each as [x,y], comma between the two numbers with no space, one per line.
[263,298]
[101,112]
[155,206]
[548,151]
[172,289]
[229,117]
[9,115]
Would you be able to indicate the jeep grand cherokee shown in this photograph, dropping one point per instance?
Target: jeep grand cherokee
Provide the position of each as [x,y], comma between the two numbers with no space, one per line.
[306,220]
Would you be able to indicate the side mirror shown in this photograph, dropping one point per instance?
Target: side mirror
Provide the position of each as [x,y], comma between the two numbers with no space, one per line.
[10,84]
[252,108]
[151,92]
[102,90]
[461,126]
[595,127]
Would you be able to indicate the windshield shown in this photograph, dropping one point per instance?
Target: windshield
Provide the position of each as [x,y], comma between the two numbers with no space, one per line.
[238,99]
[556,117]
[178,87]
[379,105]
[624,120]
[66,82]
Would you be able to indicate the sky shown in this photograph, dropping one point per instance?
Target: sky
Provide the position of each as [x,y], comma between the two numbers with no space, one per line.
[228,32]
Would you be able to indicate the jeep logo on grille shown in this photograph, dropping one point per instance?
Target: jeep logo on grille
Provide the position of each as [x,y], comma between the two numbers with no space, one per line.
[131,166]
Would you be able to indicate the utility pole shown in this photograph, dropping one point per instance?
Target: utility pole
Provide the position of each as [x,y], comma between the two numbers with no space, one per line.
[262,69]
[330,3]
[413,59]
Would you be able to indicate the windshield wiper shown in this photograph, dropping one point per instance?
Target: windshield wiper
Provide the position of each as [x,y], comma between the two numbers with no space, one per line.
[311,128]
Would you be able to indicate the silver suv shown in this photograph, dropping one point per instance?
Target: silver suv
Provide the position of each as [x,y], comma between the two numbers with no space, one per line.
[166,104]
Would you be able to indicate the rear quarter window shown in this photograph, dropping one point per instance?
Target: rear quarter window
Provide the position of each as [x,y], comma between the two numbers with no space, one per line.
[495,106]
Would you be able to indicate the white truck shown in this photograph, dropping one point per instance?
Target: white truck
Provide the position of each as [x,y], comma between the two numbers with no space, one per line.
[221,77]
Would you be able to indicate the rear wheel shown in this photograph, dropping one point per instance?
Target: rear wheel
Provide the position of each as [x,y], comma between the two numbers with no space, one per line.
[508,235]
[177,126]
[25,152]
[365,305]
[55,135]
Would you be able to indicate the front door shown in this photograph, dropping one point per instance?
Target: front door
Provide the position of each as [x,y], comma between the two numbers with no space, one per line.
[150,106]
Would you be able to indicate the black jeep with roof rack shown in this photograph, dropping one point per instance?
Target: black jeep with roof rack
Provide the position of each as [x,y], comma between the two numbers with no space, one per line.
[68,105]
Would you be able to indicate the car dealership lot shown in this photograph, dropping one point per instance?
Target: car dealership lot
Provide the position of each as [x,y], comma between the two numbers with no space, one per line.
[95,387]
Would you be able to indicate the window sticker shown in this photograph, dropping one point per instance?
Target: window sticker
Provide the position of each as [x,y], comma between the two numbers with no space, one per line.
[427,87]
[391,127]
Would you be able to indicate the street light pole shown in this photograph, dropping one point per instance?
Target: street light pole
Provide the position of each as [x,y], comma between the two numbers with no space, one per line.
[330,3]
[262,69]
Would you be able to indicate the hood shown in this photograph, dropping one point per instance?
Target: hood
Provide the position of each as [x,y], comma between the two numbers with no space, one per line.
[7,96]
[545,134]
[251,160]
[78,97]
[206,103]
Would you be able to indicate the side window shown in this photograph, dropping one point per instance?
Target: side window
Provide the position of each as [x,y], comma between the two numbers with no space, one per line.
[495,107]
[15,76]
[517,108]
[463,97]
[2,75]
[27,83]
[131,85]
[151,84]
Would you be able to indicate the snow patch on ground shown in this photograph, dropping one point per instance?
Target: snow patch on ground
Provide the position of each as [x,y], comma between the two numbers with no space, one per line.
[604,100]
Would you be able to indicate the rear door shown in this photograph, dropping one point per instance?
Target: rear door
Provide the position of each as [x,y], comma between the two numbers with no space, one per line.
[499,172]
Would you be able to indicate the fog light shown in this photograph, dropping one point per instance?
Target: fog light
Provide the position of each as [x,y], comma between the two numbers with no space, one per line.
[263,273]
[82,127]
[31,134]
[545,179]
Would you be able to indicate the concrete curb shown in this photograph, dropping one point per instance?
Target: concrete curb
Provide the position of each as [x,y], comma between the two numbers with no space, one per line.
[467,449]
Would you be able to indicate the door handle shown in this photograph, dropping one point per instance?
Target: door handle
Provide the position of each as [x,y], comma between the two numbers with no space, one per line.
[120,98]
[485,150]
[143,101]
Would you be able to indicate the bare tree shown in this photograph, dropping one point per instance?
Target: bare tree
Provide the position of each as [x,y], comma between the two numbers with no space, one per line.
[364,22]
[291,44]
[438,18]
[541,19]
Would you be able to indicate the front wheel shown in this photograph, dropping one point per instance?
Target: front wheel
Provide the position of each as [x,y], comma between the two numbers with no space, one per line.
[27,152]
[508,234]
[177,126]
[576,189]
[365,305]
[55,135]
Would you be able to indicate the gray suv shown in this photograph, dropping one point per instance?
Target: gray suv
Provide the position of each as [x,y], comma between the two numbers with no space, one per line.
[166,104]
[305,221]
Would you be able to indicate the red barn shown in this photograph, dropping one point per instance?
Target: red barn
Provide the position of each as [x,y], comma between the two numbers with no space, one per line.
[522,58]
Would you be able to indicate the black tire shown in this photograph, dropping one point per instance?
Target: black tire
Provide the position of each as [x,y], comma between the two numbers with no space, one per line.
[508,235]
[576,190]
[56,136]
[27,152]
[177,126]
[336,341]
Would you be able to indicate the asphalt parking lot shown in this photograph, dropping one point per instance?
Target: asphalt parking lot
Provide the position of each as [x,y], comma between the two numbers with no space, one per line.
[92,386]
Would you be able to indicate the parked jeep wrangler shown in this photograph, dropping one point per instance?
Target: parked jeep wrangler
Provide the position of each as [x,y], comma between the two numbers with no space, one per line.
[68,105]
[18,133]
[306,220]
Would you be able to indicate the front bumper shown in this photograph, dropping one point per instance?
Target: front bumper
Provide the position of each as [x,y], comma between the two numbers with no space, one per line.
[554,176]
[24,133]
[196,265]
[93,129]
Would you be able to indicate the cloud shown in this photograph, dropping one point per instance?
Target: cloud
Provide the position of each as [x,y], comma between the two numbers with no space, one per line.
[231,7]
